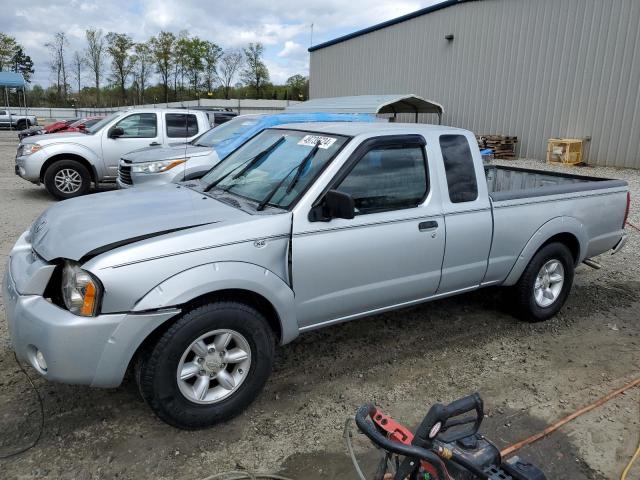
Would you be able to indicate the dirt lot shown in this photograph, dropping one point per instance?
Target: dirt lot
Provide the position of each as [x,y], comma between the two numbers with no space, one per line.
[529,375]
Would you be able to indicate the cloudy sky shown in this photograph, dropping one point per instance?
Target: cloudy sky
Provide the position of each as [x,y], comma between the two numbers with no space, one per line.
[283,26]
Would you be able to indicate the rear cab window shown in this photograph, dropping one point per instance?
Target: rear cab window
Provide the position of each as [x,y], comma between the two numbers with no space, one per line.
[181,125]
[459,168]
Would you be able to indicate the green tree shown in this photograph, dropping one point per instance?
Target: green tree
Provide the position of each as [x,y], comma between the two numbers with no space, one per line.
[94,56]
[8,48]
[21,63]
[194,54]
[162,48]
[298,85]
[180,53]
[119,47]
[142,63]
[255,72]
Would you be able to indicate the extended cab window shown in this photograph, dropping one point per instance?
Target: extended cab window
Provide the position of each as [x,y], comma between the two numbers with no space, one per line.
[181,125]
[459,168]
[387,178]
[139,125]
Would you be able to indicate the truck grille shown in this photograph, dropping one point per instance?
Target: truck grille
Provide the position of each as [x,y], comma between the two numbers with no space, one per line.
[124,172]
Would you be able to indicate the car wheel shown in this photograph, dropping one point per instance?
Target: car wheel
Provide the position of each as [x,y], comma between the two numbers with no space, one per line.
[22,125]
[208,366]
[545,283]
[67,179]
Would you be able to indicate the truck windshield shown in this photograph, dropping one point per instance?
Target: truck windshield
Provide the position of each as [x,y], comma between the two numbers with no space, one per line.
[227,131]
[100,125]
[275,167]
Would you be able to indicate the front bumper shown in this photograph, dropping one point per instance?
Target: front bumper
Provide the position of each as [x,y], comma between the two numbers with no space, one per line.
[92,351]
[29,166]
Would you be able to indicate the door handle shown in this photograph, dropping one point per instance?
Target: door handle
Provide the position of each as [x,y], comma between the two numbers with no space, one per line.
[154,144]
[426,226]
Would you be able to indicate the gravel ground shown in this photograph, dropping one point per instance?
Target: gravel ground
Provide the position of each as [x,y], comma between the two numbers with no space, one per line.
[529,375]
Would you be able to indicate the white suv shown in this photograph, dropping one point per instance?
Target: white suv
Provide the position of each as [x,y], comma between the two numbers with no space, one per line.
[67,163]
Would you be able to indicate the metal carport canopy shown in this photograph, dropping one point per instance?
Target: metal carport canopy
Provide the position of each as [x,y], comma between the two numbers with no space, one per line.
[373,104]
[11,80]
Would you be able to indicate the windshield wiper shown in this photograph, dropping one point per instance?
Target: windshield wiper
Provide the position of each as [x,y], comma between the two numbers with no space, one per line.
[301,166]
[248,164]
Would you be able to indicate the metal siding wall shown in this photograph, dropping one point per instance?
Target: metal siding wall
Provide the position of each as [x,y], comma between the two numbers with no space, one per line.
[532,68]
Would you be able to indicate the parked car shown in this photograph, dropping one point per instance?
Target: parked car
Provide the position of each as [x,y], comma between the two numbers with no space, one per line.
[304,226]
[10,119]
[67,163]
[69,125]
[82,124]
[54,127]
[157,166]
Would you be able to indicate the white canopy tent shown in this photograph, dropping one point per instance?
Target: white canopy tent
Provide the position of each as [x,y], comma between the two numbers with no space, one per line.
[373,104]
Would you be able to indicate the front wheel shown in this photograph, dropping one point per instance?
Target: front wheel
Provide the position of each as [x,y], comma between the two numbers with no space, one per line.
[67,179]
[545,283]
[208,366]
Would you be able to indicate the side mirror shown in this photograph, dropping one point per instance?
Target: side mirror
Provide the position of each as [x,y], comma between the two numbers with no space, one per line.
[335,204]
[116,132]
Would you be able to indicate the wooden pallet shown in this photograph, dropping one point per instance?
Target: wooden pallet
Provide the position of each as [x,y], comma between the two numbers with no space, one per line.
[503,146]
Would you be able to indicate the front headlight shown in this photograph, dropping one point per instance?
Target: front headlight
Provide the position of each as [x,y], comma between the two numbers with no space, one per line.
[157,167]
[30,148]
[81,291]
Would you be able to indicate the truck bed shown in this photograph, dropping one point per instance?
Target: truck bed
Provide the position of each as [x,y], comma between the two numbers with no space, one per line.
[507,183]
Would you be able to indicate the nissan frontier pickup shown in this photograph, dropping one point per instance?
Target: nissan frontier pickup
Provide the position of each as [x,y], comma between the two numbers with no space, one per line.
[192,285]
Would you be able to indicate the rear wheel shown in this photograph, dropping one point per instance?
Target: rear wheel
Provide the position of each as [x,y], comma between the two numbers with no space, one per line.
[208,366]
[22,124]
[545,283]
[67,179]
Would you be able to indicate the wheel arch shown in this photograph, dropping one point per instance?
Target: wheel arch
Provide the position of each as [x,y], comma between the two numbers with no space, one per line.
[566,230]
[246,282]
[69,156]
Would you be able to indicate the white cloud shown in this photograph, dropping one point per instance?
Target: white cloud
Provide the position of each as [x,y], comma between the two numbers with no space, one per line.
[283,26]
[292,49]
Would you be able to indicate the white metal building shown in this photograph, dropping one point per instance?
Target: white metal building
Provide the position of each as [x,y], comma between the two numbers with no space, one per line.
[533,68]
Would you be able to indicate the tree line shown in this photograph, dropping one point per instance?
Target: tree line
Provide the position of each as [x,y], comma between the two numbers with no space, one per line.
[112,69]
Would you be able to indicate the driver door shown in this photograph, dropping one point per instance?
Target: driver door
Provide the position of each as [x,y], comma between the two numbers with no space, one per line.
[140,131]
[389,254]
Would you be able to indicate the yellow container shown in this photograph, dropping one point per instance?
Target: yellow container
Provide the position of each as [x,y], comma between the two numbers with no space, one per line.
[565,150]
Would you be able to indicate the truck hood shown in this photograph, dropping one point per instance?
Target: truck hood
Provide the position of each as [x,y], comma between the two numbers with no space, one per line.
[93,224]
[171,152]
[55,137]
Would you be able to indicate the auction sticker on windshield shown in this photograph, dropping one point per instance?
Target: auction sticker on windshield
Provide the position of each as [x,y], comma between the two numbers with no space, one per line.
[313,140]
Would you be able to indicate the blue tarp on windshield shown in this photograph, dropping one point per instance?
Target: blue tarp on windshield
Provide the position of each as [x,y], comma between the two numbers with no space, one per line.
[263,122]
[11,80]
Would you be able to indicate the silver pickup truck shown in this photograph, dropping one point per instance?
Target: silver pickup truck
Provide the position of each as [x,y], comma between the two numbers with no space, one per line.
[304,226]
[9,119]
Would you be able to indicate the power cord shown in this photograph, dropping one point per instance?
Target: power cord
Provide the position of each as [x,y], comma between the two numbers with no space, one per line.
[40,402]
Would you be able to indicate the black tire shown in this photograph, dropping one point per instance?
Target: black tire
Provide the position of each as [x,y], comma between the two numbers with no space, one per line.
[527,308]
[22,125]
[70,166]
[156,369]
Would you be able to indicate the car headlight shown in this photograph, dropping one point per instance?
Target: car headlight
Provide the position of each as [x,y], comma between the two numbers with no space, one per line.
[30,148]
[81,291]
[157,167]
